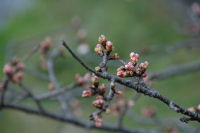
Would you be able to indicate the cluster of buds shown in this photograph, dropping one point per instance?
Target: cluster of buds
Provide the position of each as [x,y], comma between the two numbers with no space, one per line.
[194,109]
[14,70]
[149,112]
[106,47]
[94,89]
[98,90]
[132,68]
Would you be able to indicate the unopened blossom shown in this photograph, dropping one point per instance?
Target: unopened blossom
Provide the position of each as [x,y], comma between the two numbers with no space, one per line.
[87,93]
[8,69]
[102,40]
[109,46]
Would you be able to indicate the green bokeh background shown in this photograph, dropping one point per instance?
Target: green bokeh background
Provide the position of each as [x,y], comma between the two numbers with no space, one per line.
[129,24]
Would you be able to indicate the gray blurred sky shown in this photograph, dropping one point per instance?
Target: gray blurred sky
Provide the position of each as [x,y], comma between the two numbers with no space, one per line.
[10,8]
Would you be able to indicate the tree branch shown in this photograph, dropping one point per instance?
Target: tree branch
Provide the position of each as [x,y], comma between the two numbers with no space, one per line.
[140,88]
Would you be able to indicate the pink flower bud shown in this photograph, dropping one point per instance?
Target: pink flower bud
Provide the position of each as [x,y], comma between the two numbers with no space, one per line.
[129,66]
[146,64]
[20,66]
[109,46]
[87,93]
[98,121]
[98,103]
[134,55]
[115,56]
[46,44]
[120,73]
[102,40]
[8,69]
[198,108]
[98,49]
[79,79]
[95,80]
[102,89]
[120,69]
[144,75]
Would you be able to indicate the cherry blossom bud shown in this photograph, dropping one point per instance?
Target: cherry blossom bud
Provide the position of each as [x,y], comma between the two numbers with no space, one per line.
[17,77]
[87,93]
[102,89]
[102,40]
[95,80]
[51,86]
[115,56]
[8,69]
[20,66]
[98,69]
[120,74]
[198,108]
[146,64]
[79,79]
[134,55]
[112,85]
[46,44]
[98,49]
[98,121]
[98,103]
[144,75]
[129,66]
[109,46]
[120,69]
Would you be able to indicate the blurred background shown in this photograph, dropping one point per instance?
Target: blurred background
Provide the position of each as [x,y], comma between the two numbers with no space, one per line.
[132,25]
